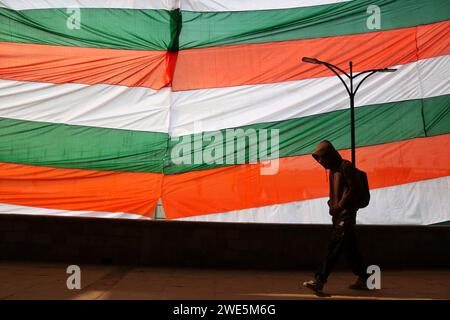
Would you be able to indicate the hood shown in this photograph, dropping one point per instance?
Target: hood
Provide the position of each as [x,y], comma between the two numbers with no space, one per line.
[327,155]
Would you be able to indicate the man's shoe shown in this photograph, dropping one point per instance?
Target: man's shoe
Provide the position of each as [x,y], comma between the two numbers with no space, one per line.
[360,284]
[315,285]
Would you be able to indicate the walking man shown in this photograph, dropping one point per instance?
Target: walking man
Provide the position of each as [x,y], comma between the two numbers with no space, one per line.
[343,205]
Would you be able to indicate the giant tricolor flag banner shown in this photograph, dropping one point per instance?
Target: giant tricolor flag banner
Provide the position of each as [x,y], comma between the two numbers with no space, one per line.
[97,98]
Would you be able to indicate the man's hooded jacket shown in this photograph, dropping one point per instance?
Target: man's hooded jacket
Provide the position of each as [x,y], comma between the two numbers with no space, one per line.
[343,178]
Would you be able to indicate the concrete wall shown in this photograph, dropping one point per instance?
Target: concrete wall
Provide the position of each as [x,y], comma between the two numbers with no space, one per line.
[206,244]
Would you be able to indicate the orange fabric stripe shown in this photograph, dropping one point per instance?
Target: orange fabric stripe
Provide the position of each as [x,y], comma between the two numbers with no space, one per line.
[61,64]
[280,61]
[76,189]
[300,178]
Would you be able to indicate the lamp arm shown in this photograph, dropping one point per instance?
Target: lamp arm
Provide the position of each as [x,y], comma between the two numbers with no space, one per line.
[329,65]
[370,72]
[339,76]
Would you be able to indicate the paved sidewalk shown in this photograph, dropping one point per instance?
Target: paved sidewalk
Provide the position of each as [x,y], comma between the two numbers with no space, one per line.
[20,280]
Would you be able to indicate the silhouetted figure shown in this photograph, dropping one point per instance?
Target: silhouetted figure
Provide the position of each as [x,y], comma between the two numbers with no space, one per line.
[343,205]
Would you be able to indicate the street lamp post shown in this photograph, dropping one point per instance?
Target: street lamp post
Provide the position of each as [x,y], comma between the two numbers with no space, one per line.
[351,91]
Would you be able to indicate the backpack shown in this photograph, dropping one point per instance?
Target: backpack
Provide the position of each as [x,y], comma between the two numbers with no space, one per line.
[364,193]
[363,188]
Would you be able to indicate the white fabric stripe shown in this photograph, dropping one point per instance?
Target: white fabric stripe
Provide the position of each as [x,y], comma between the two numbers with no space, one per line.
[213,109]
[101,105]
[6,208]
[113,4]
[246,5]
[419,203]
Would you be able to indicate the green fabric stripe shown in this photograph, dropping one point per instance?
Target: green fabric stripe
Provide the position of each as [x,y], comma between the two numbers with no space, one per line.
[205,29]
[69,146]
[375,124]
[99,28]
[444,223]
[437,116]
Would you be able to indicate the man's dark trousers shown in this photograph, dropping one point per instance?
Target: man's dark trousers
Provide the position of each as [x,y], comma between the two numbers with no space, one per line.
[343,240]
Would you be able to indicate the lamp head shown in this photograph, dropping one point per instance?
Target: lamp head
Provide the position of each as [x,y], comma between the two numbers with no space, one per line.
[310,60]
[388,70]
